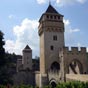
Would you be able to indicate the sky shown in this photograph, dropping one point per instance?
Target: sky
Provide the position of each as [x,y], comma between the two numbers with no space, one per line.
[19,23]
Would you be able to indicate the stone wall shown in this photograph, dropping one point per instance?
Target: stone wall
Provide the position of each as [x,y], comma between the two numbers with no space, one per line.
[74,55]
[24,77]
[37,78]
[41,79]
[77,77]
[54,75]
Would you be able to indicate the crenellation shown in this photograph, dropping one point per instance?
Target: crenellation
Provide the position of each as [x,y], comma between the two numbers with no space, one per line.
[74,50]
[83,49]
[65,49]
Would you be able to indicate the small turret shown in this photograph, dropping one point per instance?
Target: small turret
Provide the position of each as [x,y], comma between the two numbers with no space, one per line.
[27,58]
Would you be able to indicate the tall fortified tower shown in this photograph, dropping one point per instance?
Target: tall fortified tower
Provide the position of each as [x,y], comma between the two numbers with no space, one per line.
[27,58]
[51,32]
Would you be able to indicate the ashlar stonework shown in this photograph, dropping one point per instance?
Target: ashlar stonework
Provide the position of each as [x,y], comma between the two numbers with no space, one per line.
[57,62]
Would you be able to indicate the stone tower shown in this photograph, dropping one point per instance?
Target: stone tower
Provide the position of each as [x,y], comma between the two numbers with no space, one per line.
[27,58]
[51,32]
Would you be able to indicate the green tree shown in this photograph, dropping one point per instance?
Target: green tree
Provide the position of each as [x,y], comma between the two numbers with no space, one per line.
[4,74]
[2,51]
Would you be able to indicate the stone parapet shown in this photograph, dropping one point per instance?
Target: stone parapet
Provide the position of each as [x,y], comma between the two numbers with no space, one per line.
[77,77]
[78,50]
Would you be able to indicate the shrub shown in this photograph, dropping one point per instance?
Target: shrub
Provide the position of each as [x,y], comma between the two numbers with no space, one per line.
[73,84]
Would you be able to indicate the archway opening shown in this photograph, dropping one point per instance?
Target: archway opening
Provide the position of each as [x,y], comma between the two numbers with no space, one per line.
[55,66]
[75,67]
[53,84]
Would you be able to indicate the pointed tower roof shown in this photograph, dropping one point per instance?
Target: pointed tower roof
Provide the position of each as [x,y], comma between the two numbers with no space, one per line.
[50,9]
[27,47]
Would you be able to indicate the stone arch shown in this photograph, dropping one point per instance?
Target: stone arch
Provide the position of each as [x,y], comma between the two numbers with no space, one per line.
[53,83]
[55,66]
[75,67]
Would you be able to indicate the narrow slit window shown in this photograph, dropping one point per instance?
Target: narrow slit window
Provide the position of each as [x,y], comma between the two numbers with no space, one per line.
[52,47]
[58,17]
[51,17]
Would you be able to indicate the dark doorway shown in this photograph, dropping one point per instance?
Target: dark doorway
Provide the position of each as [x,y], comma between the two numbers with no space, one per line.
[53,84]
[55,66]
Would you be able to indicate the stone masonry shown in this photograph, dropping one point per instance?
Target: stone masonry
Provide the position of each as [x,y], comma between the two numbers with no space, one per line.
[57,62]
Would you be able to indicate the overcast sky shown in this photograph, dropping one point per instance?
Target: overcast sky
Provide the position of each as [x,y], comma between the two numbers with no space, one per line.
[19,22]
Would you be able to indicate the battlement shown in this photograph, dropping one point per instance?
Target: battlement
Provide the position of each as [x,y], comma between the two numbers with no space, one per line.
[74,50]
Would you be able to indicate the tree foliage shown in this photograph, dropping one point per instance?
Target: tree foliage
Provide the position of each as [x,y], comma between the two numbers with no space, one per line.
[4,74]
[74,84]
[2,51]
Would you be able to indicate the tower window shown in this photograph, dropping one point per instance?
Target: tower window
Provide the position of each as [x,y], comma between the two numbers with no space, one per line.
[51,17]
[54,17]
[55,37]
[52,47]
[48,16]
[58,17]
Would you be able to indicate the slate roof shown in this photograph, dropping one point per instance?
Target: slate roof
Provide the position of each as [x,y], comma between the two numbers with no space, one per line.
[27,47]
[50,9]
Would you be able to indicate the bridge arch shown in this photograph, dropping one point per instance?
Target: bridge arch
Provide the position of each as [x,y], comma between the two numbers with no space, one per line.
[75,66]
[53,83]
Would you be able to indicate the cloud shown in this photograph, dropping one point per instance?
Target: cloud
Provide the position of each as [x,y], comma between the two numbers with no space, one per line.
[9,46]
[69,2]
[26,33]
[87,49]
[41,1]
[68,27]
[71,34]
[62,2]
[11,16]
[66,22]
[81,1]
[74,30]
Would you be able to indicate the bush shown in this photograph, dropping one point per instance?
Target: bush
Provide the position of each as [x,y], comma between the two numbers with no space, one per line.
[74,84]
[1,86]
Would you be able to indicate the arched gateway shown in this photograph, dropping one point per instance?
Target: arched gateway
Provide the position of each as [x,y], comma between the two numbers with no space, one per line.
[75,67]
[53,83]
[55,66]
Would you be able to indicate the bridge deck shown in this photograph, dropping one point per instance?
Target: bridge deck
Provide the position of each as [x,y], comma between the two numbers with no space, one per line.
[77,77]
